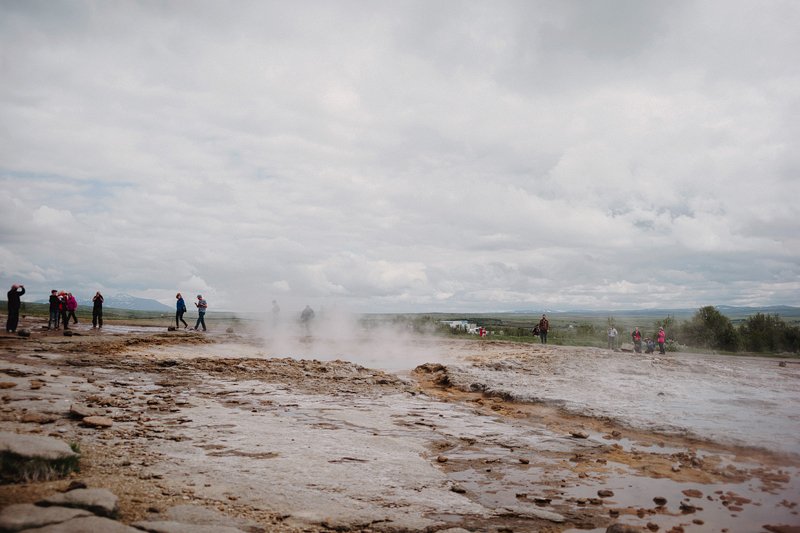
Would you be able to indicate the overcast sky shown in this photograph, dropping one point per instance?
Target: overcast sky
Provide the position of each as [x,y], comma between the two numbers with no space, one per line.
[403,156]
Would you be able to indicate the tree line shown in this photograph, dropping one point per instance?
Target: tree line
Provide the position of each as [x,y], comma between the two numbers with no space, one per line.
[760,333]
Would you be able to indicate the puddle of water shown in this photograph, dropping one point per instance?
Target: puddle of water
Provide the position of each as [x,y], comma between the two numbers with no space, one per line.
[735,506]
[738,400]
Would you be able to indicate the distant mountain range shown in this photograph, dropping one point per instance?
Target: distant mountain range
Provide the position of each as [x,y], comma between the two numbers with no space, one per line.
[730,311]
[124,301]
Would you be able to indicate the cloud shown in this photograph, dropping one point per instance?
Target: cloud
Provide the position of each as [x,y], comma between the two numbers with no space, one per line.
[406,156]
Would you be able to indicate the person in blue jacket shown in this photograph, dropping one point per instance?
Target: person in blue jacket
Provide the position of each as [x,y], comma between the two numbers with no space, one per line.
[180,309]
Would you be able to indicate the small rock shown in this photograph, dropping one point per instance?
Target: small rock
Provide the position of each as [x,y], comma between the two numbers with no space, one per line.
[99,422]
[441,459]
[660,501]
[605,493]
[27,333]
[74,485]
[687,509]
[229,330]
[652,526]
[692,493]
[7,384]
[458,489]
[37,418]
[579,434]
[622,528]
[36,384]
[524,461]
[782,363]
[81,411]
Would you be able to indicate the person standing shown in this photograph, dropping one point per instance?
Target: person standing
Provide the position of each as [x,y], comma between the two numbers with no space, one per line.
[62,309]
[662,340]
[276,313]
[201,305]
[13,307]
[306,317]
[612,338]
[97,310]
[53,310]
[544,325]
[637,340]
[180,309]
[72,306]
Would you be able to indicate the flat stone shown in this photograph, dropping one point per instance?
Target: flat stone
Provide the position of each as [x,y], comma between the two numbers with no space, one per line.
[37,418]
[26,515]
[97,422]
[535,513]
[165,526]
[81,411]
[7,384]
[194,514]
[35,447]
[84,524]
[579,434]
[622,528]
[101,502]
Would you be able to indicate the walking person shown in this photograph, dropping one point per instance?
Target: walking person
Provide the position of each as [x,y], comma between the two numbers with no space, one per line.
[544,325]
[612,338]
[180,309]
[13,307]
[97,310]
[201,305]
[72,306]
[54,314]
[662,340]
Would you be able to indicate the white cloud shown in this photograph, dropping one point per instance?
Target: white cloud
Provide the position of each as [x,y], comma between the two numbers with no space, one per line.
[406,156]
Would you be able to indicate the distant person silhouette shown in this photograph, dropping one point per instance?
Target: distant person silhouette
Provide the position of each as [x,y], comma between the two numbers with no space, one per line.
[97,310]
[306,317]
[14,305]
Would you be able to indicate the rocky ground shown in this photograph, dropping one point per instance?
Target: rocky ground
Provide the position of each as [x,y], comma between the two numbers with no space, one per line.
[170,440]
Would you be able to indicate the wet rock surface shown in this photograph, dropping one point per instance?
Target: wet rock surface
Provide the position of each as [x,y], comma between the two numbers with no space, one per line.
[229,443]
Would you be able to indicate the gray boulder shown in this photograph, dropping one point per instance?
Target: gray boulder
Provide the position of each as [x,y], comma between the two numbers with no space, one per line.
[99,501]
[21,516]
[85,524]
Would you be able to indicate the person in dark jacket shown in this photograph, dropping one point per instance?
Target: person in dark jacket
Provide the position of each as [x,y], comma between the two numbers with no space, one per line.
[54,314]
[97,310]
[13,307]
[544,325]
[180,309]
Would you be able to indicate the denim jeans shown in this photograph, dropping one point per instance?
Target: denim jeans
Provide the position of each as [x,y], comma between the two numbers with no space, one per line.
[201,319]
[53,319]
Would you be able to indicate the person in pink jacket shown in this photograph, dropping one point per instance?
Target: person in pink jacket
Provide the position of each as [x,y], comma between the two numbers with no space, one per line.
[662,339]
[72,305]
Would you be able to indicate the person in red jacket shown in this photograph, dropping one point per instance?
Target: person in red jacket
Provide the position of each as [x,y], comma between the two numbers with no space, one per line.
[637,340]
[72,306]
[662,340]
